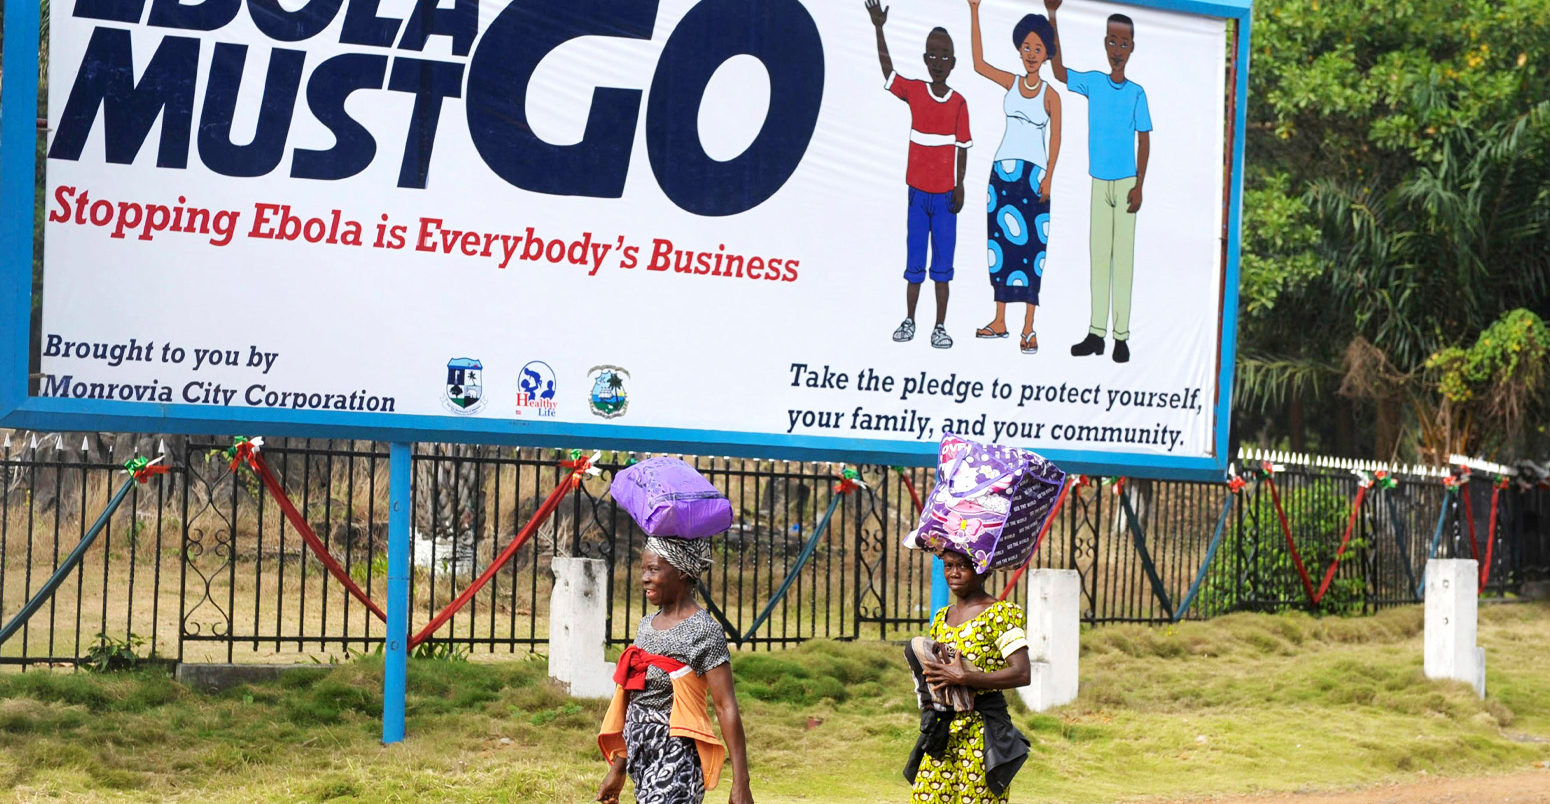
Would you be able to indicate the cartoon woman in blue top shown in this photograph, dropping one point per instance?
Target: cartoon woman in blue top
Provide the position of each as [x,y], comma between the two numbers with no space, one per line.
[1017,201]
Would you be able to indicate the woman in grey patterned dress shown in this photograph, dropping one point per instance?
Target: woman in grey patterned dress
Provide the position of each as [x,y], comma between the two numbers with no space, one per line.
[667,769]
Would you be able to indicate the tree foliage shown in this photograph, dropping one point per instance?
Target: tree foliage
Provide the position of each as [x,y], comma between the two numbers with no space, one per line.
[1397,205]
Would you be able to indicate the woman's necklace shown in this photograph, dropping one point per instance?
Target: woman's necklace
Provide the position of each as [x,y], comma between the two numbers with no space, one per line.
[1034,87]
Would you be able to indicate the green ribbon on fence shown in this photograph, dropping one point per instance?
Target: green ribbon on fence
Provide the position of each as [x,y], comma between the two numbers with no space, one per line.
[796,569]
[70,563]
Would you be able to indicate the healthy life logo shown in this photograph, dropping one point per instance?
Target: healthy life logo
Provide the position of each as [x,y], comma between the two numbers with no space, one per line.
[537,389]
[609,398]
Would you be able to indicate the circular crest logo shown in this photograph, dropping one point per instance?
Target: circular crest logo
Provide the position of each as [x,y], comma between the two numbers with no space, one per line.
[608,398]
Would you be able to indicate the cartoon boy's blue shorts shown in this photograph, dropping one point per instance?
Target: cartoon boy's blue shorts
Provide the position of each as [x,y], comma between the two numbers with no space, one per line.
[930,218]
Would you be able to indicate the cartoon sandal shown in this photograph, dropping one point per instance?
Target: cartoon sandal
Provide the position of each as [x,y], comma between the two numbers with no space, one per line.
[1030,343]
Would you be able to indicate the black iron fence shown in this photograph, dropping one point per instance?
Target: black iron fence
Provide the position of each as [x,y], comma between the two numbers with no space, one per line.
[200,565]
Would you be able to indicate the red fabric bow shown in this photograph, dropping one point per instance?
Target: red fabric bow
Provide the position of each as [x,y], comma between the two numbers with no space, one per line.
[149,471]
[243,452]
[1235,484]
[631,672]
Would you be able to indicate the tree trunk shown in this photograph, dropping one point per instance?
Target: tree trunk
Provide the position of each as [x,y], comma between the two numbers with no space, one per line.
[1294,422]
[1345,428]
[1387,430]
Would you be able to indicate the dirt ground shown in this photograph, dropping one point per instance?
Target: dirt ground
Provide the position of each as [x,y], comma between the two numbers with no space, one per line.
[1531,786]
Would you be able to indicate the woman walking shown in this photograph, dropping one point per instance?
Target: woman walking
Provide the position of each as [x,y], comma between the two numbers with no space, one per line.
[1018,199]
[656,730]
[970,757]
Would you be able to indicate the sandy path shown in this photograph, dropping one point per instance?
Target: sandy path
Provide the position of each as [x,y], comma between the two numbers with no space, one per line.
[1530,786]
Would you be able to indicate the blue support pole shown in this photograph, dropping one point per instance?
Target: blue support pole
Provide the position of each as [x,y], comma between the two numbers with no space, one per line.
[395,665]
[18,142]
[938,586]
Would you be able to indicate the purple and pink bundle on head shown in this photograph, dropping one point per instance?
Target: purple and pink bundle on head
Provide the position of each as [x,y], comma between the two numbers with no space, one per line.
[990,502]
[667,497]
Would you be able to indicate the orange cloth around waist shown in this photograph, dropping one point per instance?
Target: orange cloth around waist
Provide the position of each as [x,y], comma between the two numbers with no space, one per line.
[688,717]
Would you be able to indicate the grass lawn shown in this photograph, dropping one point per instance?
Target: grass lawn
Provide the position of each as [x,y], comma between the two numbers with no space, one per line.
[1238,704]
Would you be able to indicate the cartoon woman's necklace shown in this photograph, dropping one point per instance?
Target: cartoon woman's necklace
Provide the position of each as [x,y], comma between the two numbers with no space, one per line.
[1034,87]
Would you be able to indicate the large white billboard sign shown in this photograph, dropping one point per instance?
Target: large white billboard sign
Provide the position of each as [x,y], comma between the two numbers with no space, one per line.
[723,225]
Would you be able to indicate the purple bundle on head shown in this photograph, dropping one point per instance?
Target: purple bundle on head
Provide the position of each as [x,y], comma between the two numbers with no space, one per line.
[989,503]
[667,497]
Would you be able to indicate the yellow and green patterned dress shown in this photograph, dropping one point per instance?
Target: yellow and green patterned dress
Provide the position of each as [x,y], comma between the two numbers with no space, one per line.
[985,642]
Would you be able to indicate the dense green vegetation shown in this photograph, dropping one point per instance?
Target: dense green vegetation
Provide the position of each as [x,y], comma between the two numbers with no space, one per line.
[1397,228]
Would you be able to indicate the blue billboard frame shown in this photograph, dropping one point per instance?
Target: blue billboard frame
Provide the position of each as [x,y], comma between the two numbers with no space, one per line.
[18,105]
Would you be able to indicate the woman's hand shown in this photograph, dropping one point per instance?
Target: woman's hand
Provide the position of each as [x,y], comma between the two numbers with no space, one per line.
[613,784]
[945,674]
[974,4]
[1044,187]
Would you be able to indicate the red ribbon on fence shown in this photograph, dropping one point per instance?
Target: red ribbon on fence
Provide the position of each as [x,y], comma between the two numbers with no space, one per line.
[1490,534]
[255,459]
[580,467]
[1345,540]
[1469,516]
[1302,572]
[1315,597]
[1054,512]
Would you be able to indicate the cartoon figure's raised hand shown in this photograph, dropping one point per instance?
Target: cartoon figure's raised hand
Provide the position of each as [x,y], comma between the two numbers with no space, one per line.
[1052,4]
[878,11]
[974,4]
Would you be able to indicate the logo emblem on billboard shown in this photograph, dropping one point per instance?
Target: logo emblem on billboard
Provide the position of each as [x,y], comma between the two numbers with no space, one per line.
[465,385]
[536,389]
[608,398]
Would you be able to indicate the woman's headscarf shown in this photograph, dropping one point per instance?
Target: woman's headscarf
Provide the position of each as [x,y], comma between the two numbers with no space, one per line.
[689,556]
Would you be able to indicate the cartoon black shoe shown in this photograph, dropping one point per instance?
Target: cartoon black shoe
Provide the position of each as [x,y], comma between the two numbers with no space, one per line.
[1121,352]
[1091,345]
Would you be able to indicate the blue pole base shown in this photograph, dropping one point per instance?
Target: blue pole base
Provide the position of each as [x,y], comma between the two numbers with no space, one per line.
[939,596]
[395,661]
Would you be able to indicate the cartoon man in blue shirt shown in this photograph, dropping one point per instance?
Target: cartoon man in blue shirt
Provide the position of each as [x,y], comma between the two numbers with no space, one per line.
[1119,126]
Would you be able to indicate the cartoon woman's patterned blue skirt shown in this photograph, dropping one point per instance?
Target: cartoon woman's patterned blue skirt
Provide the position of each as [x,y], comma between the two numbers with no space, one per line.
[1018,225]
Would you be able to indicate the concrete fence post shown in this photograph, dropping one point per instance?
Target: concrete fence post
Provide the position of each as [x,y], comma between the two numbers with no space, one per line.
[1054,637]
[1452,606]
[578,619]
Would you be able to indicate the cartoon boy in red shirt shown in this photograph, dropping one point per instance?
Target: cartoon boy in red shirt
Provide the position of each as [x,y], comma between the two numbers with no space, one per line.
[939,152]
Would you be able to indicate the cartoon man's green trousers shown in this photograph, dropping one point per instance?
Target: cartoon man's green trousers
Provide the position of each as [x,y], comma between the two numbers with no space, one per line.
[1113,254]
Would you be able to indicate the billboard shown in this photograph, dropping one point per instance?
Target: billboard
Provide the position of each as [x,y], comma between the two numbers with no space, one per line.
[758,227]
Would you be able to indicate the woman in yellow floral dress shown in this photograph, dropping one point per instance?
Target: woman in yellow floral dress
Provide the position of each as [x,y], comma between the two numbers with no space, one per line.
[970,757]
